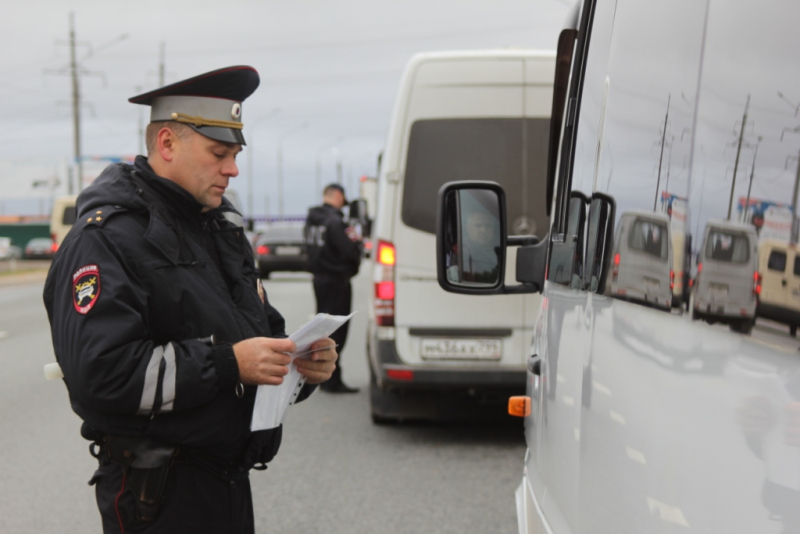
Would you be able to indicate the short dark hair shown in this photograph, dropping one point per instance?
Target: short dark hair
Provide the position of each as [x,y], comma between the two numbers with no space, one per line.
[181,130]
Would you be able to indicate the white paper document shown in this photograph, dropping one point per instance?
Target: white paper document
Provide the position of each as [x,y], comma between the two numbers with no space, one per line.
[272,401]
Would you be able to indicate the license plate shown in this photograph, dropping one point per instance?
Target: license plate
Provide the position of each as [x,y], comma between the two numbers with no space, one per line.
[718,292]
[461,349]
[287,251]
[653,286]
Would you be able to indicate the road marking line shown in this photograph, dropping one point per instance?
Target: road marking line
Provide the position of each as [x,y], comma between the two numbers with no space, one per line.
[617,417]
[3,334]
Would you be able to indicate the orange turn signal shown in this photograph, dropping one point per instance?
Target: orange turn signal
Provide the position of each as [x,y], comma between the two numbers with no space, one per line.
[519,406]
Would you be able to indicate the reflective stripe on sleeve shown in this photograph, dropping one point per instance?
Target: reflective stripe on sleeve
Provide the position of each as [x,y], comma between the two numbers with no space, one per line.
[151,381]
[170,376]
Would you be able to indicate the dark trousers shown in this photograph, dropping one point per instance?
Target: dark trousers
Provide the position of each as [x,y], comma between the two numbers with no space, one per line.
[195,500]
[334,296]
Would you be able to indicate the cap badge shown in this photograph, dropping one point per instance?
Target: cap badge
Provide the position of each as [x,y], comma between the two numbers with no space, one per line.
[236,111]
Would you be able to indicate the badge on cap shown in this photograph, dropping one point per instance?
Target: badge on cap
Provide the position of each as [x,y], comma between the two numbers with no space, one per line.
[236,111]
[85,288]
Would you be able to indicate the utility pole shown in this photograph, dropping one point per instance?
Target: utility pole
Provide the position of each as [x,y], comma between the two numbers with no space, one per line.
[794,198]
[161,65]
[661,157]
[738,153]
[75,70]
[76,101]
[752,173]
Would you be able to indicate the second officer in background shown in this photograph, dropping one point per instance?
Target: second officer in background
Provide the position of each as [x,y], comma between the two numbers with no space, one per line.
[334,255]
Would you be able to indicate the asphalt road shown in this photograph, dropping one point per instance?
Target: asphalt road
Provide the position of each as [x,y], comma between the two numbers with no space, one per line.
[336,472]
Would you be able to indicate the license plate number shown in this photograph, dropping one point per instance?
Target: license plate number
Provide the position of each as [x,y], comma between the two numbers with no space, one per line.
[287,251]
[461,349]
[718,292]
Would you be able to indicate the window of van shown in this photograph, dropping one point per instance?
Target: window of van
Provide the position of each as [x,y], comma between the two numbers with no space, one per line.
[511,152]
[69,216]
[777,261]
[649,237]
[797,266]
[729,247]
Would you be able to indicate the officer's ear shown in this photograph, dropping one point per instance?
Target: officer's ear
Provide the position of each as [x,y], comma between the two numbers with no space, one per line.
[166,143]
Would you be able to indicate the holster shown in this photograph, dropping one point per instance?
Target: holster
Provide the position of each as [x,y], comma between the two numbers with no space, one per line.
[263,447]
[145,463]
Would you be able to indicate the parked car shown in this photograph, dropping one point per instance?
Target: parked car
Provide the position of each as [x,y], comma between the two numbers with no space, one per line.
[624,433]
[281,247]
[9,251]
[779,267]
[40,248]
[727,284]
[469,116]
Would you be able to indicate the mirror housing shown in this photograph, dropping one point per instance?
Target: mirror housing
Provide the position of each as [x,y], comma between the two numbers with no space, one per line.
[461,207]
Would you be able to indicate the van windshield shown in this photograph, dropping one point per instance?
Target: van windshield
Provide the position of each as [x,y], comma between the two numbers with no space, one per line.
[726,246]
[511,152]
[649,237]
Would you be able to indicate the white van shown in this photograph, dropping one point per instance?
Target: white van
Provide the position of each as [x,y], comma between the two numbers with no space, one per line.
[62,217]
[458,116]
[779,268]
[727,284]
[636,420]
[643,259]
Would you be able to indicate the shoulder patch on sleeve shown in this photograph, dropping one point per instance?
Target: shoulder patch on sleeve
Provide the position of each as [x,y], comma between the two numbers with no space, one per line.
[85,288]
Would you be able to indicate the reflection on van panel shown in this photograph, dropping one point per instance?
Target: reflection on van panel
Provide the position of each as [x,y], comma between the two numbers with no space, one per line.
[727,275]
[643,259]
[779,268]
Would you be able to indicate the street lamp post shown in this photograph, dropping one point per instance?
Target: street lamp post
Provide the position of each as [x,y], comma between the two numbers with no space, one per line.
[280,164]
[320,150]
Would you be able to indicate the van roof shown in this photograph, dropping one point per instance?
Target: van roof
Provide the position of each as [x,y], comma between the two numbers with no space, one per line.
[649,214]
[732,225]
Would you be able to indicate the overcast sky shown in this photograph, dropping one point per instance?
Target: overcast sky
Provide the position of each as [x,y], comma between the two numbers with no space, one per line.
[329,72]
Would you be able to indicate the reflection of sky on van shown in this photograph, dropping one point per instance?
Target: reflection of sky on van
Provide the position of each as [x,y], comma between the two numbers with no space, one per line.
[631,157]
[747,53]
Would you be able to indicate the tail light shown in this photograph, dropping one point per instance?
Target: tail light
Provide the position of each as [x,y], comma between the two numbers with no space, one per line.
[699,268]
[756,283]
[616,265]
[262,250]
[54,248]
[671,279]
[384,284]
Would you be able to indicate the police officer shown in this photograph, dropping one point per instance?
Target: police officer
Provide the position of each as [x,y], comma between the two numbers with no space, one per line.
[334,255]
[162,328]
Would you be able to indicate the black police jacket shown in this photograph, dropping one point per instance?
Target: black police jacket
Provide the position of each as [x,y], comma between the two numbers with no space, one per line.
[330,250]
[138,285]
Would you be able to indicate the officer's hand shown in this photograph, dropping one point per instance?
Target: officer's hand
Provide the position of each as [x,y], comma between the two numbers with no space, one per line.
[261,360]
[320,365]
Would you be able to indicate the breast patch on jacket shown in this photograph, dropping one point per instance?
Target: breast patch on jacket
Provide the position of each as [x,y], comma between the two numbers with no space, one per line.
[85,288]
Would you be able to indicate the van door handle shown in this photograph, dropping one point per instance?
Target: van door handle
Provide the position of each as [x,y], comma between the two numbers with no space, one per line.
[783,283]
[535,364]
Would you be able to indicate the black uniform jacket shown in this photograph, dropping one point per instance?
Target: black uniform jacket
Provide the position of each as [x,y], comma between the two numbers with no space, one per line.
[330,251]
[142,278]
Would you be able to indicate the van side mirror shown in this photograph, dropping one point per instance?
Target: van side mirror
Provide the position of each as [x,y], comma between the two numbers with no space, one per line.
[599,242]
[471,239]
